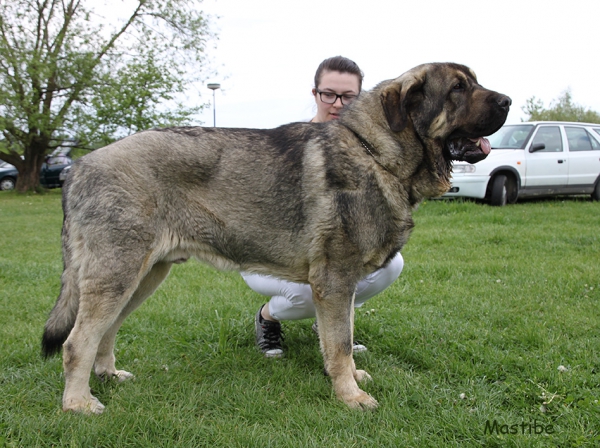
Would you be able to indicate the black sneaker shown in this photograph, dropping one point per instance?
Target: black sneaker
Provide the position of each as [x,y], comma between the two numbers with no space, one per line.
[357,347]
[268,336]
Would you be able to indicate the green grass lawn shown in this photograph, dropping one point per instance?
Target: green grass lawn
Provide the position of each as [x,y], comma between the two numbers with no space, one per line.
[468,341]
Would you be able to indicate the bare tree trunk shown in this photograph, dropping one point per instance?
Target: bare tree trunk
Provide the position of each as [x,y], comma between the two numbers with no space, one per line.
[27,181]
[29,172]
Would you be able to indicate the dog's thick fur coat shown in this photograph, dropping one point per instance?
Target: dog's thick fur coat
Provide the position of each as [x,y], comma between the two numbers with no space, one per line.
[324,204]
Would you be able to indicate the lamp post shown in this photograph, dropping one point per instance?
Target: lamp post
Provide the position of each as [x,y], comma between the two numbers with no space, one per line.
[214,86]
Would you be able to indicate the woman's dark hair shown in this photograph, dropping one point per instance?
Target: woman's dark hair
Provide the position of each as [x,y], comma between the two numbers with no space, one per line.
[339,64]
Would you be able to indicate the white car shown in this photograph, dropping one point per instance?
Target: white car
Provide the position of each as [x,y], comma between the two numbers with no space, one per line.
[543,158]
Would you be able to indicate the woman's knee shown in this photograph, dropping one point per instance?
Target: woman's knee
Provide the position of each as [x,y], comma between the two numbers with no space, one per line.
[294,304]
[379,280]
[286,310]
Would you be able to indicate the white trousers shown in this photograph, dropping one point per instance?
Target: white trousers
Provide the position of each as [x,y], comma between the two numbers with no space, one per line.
[293,301]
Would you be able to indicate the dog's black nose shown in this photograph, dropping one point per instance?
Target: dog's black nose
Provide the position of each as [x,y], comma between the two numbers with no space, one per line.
[504,101]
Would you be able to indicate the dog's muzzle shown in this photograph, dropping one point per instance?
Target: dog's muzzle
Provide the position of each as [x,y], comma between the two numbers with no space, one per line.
[471,150]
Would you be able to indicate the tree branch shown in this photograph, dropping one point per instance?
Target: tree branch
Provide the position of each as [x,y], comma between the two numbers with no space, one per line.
[11,57]
[78,88]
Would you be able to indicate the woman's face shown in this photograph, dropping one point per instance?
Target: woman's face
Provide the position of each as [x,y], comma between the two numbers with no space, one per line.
[346,84]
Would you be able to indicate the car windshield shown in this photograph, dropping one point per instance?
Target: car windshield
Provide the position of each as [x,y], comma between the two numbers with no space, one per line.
[511,136]
[58,160]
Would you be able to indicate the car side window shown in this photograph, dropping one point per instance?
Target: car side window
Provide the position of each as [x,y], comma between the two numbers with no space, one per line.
[550,137]
[579,139]
[595,143]
[594,140]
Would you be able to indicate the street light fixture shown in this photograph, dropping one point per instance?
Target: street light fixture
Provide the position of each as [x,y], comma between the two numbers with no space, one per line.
[214,86]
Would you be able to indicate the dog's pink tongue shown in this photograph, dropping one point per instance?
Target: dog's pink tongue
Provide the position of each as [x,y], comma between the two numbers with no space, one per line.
[484,144]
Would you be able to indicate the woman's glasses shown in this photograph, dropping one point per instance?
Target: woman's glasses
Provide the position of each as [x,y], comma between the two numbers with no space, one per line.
[330,97]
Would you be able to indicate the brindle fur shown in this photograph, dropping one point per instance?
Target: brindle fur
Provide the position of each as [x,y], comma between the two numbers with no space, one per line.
[323,203]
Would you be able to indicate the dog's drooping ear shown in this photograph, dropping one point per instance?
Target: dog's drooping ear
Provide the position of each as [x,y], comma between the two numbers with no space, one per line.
[396,98]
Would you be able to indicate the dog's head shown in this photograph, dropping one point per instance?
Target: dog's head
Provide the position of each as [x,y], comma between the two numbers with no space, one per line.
[444,103]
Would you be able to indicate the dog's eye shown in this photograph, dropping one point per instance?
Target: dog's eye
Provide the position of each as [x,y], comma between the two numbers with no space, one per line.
[458,86]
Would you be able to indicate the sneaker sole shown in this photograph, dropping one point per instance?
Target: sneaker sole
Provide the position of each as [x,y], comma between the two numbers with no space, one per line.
[273,353]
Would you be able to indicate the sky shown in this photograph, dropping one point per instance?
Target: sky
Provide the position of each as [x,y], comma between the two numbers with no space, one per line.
[268,50]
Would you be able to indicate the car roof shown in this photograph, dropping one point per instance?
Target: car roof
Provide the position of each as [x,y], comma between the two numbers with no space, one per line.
[569,123]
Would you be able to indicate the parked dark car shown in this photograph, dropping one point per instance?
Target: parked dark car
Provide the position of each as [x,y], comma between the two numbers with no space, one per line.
[49,175]
[8,176]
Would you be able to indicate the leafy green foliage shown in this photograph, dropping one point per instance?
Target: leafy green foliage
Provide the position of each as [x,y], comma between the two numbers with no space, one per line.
[563,109]
[495,318]
[131,98]
[68,75]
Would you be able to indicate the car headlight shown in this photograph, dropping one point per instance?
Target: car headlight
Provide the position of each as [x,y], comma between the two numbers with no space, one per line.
[463,168]
[63,174]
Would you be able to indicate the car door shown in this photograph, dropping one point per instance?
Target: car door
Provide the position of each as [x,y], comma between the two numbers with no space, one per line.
[546,167]
[584,157]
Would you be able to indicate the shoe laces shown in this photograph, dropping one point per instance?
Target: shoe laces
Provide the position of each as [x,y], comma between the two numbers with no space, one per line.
[272,334]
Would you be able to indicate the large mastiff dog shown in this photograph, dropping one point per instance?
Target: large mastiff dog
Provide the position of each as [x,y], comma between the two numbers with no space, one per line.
[322,203]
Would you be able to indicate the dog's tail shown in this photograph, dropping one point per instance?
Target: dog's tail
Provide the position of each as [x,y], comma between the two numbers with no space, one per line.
[62,317]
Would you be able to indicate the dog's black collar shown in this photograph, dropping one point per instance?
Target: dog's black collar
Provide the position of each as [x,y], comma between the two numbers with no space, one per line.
[366,145]
[370,150]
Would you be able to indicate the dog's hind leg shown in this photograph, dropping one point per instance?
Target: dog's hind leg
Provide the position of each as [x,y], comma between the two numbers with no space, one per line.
[333,298]
[106,286]
[104,365]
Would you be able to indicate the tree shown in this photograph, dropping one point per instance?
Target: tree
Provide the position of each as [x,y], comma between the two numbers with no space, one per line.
[65,75]
[562,109]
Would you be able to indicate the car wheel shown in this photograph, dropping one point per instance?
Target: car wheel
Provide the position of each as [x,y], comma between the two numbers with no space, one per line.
[596,193]
[8,183]
[512,190]
[499,191]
